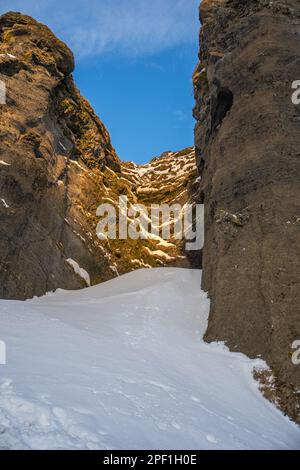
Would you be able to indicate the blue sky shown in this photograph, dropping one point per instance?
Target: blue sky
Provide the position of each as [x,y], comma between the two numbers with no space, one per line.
[134,62]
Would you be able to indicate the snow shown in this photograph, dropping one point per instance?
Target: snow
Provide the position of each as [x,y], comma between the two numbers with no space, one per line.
[11,56]
[62,146]
[123,365]
[4,203]
[80,271]
[159,254]
[114,269]
[151,236]
[74,163]
[140,263]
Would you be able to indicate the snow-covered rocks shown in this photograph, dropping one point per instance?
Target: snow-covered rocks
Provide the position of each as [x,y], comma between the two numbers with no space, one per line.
[80,271]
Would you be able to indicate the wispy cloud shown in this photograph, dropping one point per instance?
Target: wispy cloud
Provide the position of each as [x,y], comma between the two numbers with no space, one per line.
[124,27]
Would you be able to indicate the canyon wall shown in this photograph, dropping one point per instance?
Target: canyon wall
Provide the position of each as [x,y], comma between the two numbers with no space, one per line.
[247,140]
[57,165]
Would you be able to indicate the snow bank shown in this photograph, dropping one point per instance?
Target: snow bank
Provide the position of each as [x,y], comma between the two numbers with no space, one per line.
[123,366]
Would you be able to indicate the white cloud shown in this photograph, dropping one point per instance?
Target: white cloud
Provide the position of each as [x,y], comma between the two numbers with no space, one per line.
[124,27]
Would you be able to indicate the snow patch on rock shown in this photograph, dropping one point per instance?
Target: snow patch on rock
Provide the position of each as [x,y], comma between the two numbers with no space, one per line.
[80,271]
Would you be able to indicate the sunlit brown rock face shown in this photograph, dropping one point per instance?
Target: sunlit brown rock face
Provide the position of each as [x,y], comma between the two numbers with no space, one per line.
[57,165]
[247,150]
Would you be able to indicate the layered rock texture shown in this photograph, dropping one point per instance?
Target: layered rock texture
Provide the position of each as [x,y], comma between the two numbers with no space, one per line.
[57,165]
[170,179]
[247,149]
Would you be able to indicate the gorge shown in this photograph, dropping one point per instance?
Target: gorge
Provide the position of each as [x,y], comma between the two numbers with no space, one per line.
[58,164]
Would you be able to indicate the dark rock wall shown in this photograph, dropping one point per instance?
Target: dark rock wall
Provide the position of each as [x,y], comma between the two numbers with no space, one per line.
[41,127]
[247,148]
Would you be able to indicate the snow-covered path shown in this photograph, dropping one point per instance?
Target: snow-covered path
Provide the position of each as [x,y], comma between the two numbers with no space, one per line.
[123,366]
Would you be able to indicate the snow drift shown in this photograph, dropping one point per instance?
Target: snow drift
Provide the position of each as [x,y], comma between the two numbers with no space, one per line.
[123,366]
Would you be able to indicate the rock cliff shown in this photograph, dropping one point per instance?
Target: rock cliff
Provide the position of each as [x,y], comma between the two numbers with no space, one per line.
[247,149]
[57,165]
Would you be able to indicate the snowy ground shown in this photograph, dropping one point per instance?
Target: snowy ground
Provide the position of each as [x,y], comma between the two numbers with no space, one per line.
[123,366]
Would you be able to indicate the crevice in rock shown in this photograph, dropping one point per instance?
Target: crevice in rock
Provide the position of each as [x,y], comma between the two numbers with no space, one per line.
[222,102]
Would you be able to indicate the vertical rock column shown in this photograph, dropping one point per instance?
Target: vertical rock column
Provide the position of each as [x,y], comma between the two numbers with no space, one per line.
[247,141]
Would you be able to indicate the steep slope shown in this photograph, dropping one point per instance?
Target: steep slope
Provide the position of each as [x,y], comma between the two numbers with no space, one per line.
[57,165]
[247,150]
[169,179]
[135,373]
